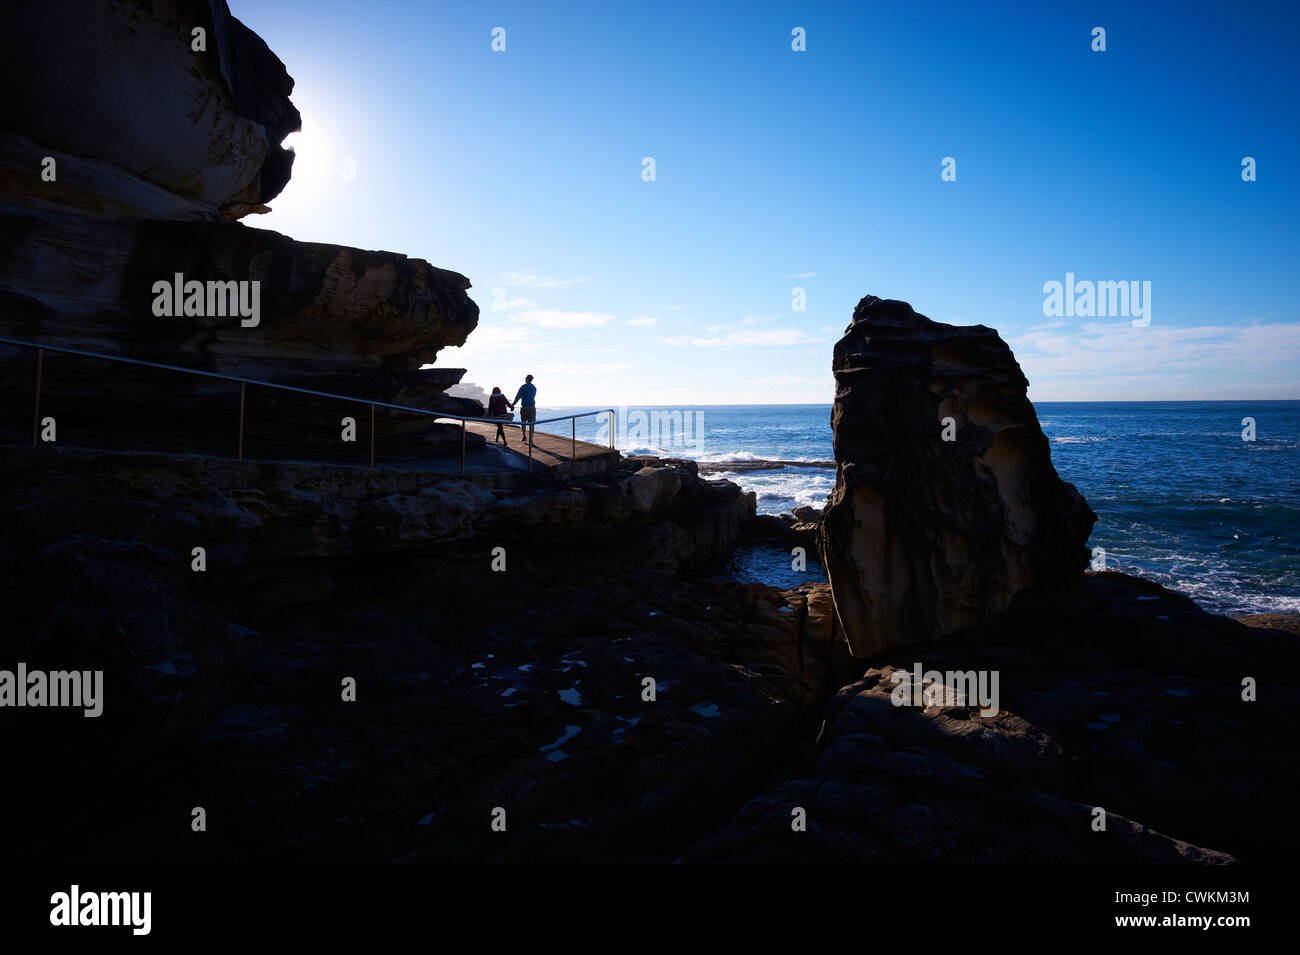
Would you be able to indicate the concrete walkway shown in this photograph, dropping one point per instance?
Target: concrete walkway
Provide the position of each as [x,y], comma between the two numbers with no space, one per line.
[549,450]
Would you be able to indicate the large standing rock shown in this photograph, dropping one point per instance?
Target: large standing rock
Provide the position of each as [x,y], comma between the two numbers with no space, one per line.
[922,536]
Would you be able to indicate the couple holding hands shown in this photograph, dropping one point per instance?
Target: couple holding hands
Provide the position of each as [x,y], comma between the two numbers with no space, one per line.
[526,398]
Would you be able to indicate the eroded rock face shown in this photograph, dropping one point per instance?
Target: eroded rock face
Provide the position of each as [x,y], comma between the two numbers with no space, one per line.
[141,123]
[329,314]
[155,146]
[924,536]
[333,319]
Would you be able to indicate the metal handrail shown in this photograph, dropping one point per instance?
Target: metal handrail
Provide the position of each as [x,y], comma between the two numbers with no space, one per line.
[244,382]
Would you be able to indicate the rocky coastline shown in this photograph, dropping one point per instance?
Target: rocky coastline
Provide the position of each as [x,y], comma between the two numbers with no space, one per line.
[339,663]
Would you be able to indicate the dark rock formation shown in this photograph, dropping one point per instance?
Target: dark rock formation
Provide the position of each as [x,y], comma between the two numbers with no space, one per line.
[923,536]
[469,391]
[807,515]
[1111,693]
[223,687]
[251,514]
[331,317]
[156,144]
[784,529]
[140,123]
[522,688]
[1272,621]
[1114,693]
[501,641]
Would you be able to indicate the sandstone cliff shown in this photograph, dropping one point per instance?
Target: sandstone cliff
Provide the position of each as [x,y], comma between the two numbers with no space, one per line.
[155,145]
[140,123]
[927,532]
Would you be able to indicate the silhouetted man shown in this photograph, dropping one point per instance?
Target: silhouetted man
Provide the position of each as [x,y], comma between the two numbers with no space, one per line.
[526,398]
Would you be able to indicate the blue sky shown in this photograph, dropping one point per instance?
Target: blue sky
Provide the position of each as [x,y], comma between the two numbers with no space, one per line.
[819,170]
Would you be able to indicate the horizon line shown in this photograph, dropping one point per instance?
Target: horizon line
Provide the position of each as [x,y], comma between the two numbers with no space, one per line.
[1035,401]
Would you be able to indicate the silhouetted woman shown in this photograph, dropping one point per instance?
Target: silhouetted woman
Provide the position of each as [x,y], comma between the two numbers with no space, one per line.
[497,405]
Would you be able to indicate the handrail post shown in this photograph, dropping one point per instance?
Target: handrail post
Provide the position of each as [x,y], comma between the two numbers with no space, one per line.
[530,456]
[372,434]
[573,453]
[243,387]
[463,424]
[611,429]
[36,396]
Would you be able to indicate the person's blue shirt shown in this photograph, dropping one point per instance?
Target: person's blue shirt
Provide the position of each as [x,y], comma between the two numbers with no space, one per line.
[527,394]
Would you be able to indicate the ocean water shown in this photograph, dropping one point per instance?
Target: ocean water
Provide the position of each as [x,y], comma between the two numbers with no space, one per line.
[1180,497]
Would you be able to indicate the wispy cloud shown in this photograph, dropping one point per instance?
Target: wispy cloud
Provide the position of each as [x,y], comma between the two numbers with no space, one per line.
[511,304]
[550,318]
[538,280]
[492,339]
[767,337]
[585,368]
[644,321]
[1108,354]
[786,380]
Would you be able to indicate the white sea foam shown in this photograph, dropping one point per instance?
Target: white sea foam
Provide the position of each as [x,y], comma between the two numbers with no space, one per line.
[717,457]
[724,457]
[785,488]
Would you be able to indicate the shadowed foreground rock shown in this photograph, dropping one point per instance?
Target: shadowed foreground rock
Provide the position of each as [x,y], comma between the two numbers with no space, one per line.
[476,687]
[1114,693]
[923,536]
[524,687]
